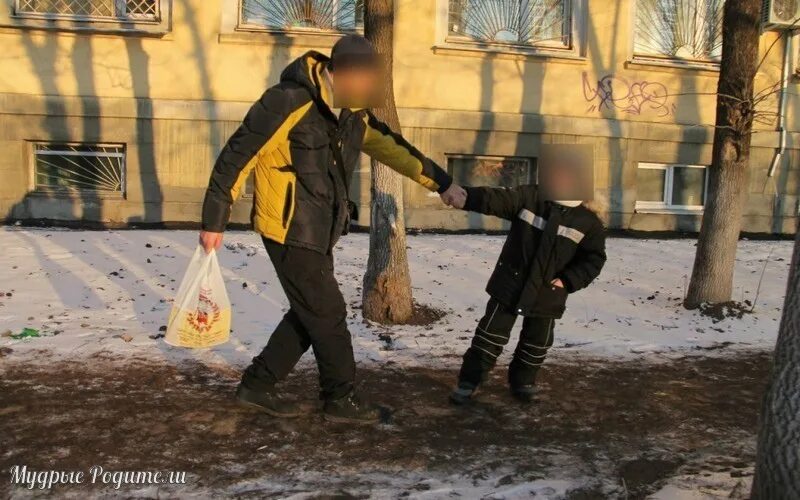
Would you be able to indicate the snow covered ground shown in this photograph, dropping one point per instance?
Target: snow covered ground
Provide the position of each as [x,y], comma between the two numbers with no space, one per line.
[110,291]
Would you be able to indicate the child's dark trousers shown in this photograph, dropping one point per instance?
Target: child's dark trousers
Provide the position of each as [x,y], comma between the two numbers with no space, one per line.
[492,335]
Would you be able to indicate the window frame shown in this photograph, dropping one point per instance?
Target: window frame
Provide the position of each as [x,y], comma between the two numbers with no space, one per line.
[635,57]
[241,26]
[532,171]
[159,26]
[62,191]
[669,177]
[573,49]
[155,19]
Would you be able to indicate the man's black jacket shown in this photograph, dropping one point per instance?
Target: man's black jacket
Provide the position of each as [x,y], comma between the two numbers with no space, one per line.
[546,241]
[285,140]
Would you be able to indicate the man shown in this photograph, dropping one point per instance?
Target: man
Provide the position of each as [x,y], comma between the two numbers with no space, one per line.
[302,154]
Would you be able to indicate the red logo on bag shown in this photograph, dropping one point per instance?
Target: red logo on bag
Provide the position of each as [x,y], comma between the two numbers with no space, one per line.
[207,312]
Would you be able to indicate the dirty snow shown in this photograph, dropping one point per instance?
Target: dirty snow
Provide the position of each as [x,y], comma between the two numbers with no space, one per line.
[109,292]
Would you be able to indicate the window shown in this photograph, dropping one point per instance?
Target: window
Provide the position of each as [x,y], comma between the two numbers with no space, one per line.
[513,22]
[794,48]
[689,30]
[79,167]
[112,10]
[670,187]
[303,15]
[489,170]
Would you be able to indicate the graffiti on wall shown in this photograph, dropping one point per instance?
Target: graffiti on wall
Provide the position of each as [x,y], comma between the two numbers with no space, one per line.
[614,93]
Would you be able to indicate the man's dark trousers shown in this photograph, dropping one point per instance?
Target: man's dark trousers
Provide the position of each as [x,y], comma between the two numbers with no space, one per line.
[491,336]
[317,318]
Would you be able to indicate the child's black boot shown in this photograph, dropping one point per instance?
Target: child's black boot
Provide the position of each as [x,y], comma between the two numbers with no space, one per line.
[462,394]
[523,393]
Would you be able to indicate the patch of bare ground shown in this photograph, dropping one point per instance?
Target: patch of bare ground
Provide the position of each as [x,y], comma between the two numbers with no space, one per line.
[625,426]
[725,310]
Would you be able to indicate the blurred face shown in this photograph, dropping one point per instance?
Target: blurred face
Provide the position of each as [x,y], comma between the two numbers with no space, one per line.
[355,87]
[561,179]
[565,174]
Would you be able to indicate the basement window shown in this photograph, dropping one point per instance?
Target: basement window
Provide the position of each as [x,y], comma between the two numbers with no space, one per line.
[499,171]
[98,168]
[671,188]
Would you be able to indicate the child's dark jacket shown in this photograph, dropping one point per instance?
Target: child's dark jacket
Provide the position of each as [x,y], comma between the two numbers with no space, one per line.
[546,241]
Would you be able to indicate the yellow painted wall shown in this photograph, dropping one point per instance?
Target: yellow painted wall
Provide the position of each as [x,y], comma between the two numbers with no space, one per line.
[191,63]
[194,76]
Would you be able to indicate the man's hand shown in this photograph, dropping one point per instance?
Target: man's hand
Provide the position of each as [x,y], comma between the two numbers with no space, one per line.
[557,283]
[210,241]
[455,196]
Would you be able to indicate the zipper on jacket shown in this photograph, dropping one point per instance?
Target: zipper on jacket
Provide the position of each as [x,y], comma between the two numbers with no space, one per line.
[287,204]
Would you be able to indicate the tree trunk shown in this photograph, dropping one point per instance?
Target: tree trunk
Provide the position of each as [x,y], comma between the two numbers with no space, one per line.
[712,276]
[387,284]
[777,474]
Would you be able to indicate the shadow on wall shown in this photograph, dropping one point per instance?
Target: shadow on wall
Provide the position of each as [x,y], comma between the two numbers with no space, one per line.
[152,197]
[142,163]
[57,127]
[616,201]
[482,137]
[43,53]
[531,73]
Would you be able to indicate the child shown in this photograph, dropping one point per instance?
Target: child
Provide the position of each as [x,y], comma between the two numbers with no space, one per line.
[554,248]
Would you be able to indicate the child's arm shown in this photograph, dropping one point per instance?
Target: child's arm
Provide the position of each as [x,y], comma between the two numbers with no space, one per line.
[588,261]
[499,202]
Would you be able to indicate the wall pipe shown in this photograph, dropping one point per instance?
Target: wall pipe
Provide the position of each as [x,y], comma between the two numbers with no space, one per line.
[787,54]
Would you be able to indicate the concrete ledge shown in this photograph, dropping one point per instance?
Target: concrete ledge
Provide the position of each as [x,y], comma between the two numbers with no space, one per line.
[263,37]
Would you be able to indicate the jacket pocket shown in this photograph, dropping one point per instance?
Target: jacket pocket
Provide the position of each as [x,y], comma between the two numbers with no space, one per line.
[551,301]
[288,204]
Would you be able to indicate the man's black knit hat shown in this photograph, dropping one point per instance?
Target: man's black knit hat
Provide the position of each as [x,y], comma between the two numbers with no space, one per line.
[353,51]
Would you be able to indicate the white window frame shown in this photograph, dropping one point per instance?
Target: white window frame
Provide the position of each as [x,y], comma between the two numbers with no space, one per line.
[35,188]
[665,205]
[241,25]
[573,49]
[156,26]
[663,60]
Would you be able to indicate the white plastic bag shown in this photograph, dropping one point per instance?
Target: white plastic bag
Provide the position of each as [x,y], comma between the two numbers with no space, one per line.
[201,313]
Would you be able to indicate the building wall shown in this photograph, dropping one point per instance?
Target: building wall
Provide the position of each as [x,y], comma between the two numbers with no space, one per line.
[174,92]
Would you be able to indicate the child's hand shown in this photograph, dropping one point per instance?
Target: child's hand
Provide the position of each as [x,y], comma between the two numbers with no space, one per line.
[557,282]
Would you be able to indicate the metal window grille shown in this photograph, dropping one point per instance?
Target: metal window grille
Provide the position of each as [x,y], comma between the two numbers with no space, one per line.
[489,170]
[517,22]
[90,9]
[679,29]
[315,15]
[79,167]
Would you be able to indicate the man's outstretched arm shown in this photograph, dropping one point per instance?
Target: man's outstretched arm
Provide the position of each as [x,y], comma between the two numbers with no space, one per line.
[391,149]
[266,125]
